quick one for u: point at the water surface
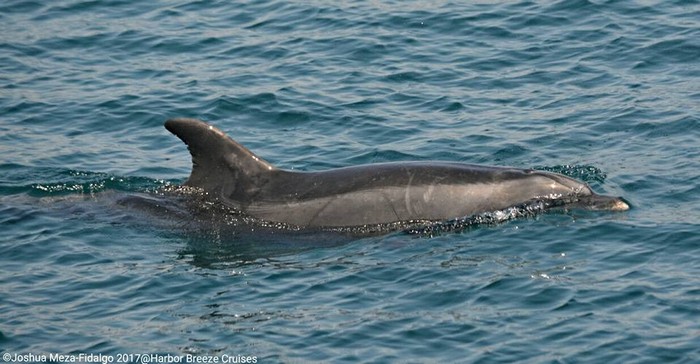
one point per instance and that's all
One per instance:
(606, 92)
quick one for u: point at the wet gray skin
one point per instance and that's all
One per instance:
(366, 194)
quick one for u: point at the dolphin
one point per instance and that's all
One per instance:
(371, 194)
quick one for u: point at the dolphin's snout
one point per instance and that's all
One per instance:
(619, 205)
(601, 202)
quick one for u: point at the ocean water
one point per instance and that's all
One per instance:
(604, 91)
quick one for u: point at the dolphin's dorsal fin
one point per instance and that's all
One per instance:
(219, 164)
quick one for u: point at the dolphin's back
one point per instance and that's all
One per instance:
(395, 192)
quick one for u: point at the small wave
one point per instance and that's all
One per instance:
(586, 173)
(526, 210)
(46, 182)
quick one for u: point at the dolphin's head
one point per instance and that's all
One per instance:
(567, 183)
(581, 194)
(549, 185)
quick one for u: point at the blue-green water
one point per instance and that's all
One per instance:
(605, 91)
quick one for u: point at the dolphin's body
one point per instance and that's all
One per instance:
(366, 194)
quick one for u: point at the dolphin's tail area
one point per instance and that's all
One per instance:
(220, 166)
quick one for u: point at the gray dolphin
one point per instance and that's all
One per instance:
(366, 194)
